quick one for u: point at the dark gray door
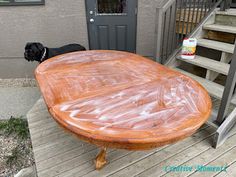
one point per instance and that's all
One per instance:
(112, 24)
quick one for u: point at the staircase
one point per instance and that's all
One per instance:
(213, 67)
(215, 30)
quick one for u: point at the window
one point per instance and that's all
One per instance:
(111, 6)
(21, 2)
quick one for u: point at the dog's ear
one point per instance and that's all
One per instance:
(28, 44)
(39, 46)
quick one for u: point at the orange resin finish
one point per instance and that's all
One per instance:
(121, 100)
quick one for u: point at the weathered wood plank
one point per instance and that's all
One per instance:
(221, 28)
(214, 89)
(220, 36)
(191, 152)
(41, 141)
(204, 158)
(229, 20)
(208, 63)
(216, 45)
(44, 133)
(89, 166)
(65, 156)
(57, 148)
(43, 128)
(41, 114)
(70, 164)
(139, 161)
(42, 122)
(122, 162)
(226, 159)
(230, 172)
(58, 153)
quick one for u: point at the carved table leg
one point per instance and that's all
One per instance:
(100, 160)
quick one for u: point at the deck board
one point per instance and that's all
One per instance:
(149, 166)
(231, 171)
(58, 153)
(226, 159)
(147, 160)
(205, 157)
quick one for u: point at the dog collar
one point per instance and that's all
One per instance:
(44, 54)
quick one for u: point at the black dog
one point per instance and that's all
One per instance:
(37, 52)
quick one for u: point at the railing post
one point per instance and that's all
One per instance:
(222, 6)
(225, 5)
(229, 3)
(159, 27)
(228, 91)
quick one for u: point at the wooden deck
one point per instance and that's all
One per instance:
(60, 154)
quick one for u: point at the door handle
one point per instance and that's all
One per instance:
(91, 20)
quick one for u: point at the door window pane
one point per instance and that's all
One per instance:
(4, 1)
(111, 6)
(21, 2)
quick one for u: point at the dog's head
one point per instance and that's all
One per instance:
(34, 51)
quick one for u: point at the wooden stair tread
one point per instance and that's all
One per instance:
(221, 46)
(214, 89)
(229, 12)
(233, 100)
(222, 28)
(207, 63)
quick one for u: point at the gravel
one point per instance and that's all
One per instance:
(18, 82)
(22, 94)
(24, 158)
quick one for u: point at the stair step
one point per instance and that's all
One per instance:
(233, 100)
(229, 12)
(214, 89)
(222, 28)
(221, 46)
(207, 63)
(226, 18)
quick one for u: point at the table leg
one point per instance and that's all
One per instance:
(100, 160)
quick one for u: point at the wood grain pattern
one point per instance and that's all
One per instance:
(121, 100)
(220, 36)
(100, 160)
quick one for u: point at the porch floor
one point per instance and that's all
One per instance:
(58, 153)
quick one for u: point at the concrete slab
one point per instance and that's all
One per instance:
(17, 101)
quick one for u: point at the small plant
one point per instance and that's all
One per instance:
(15, 158)
(17, 126)
(19, 154)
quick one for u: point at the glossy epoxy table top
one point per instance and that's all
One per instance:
(121, 100)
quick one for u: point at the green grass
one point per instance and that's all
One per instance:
(18, 128)
(15, 126)
(16, 157)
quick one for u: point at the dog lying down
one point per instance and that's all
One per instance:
(35, 51)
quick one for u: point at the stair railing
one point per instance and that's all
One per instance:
(178, 19)
(225, 5)
(226, 121)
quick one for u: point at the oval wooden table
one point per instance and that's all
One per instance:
(121, 100)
